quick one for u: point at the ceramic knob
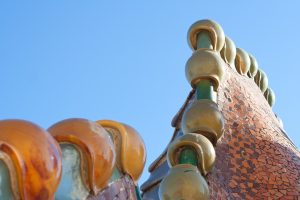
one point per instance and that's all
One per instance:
(205, 64)
(130, 147)
(95, 146)
(261, 80)
(270, 96)
(214, 29)
(203, 117)
(183, 182)
(202, 147)
(228, 52)
(253, 67)
(32, 158)
(242, 61)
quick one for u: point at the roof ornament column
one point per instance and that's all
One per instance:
(192, 156)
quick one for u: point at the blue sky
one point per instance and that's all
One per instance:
(124, 60)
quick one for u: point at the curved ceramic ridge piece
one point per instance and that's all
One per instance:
(33, 158)
(242, 61)
(228, 52)
(205, 64)
(261, 80)
(201, 145)
(183, 181)
(253, 67)
(279, 121)
(132, 152)
(203, 117)
(95, 146)
(270, 96)
(213, 28)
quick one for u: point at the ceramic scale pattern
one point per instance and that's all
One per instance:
(255, 160)
(122, 189)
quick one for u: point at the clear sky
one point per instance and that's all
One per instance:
(124, 60)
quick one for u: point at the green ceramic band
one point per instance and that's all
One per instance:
(204, 41)
(188, 156)
(205, 90)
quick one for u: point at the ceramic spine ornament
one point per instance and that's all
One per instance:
(193, 154)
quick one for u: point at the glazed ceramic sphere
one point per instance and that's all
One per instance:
(33, 159)
(242, 61)
(215, 31)
(95, 146)
(201, 145)
(204, 117)
(253, 67)
(130, 146)
(228, 52)
(205, 64)
(270, 96)
(183, 182)
(264, 81)
(261, 80)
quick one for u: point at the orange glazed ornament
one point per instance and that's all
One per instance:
(33, 159)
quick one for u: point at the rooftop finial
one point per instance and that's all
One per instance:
(214, 30)
(228, 52)
(242, 61)
(253, 67)
(270, 96)
(202, 122)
